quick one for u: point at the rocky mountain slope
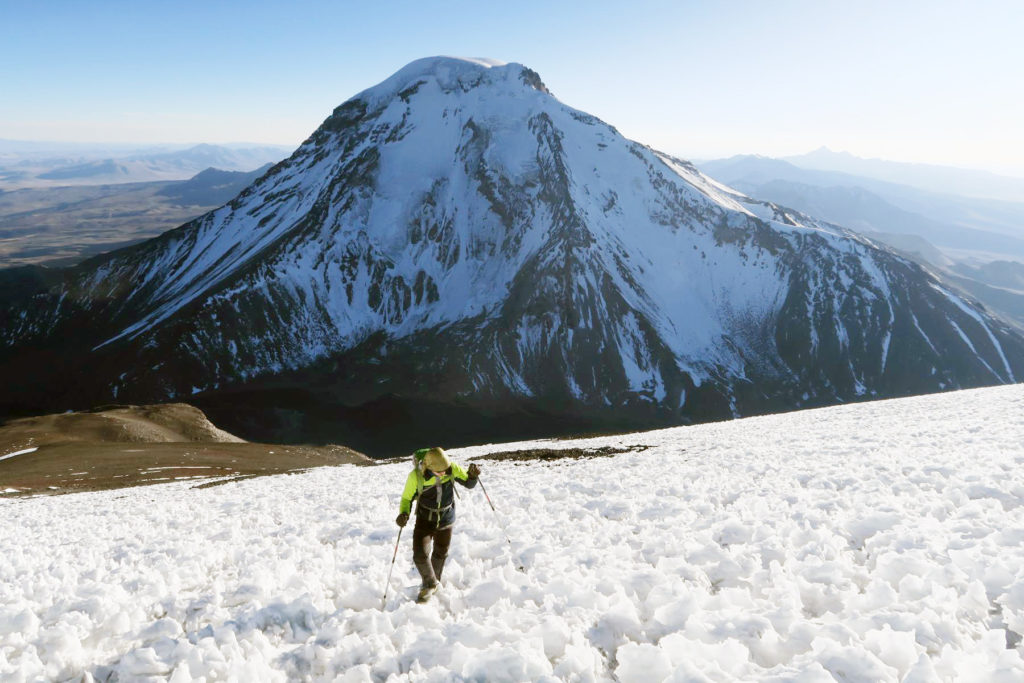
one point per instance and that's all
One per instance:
(456, 239)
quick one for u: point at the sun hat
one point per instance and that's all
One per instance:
(436, 460)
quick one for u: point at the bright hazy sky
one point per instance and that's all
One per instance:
(938, 81)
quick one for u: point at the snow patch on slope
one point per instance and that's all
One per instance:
(959, 303)
(21, 452)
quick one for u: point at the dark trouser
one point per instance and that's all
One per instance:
(423, 536)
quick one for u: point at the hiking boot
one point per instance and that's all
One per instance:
(426, 591)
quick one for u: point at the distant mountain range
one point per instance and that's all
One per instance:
(956, 223)
(974, 242)
(27, 165)
(64, 225)
(211, 187)
(455, 252)
(930, 177)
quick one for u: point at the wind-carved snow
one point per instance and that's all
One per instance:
(887, 338)
(718, 192)
(641, 374)
(959, 303)
(878, 282)
(924, 336)
(879, 541)
(967, 340)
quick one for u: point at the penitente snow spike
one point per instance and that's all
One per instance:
(384, 600)
(520, 566)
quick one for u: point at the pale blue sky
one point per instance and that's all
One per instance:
(938, 82)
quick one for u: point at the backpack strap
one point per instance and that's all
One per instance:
(417, 467)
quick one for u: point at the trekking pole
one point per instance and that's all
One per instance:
(503, 530)
(384, 600)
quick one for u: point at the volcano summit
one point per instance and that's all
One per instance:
(456, 249)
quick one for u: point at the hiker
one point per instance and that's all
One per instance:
(432, 481)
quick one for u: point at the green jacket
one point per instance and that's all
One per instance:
(437, 501)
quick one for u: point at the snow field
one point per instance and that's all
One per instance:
(875, 542)
(22, 452)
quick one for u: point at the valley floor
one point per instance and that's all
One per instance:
(873, 542)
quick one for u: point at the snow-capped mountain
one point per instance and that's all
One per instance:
(457, 235)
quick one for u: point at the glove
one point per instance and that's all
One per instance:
(402, 519)
(473, 471)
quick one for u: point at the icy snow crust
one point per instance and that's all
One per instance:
(873, 542)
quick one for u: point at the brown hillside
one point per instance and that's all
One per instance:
(118, 446)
